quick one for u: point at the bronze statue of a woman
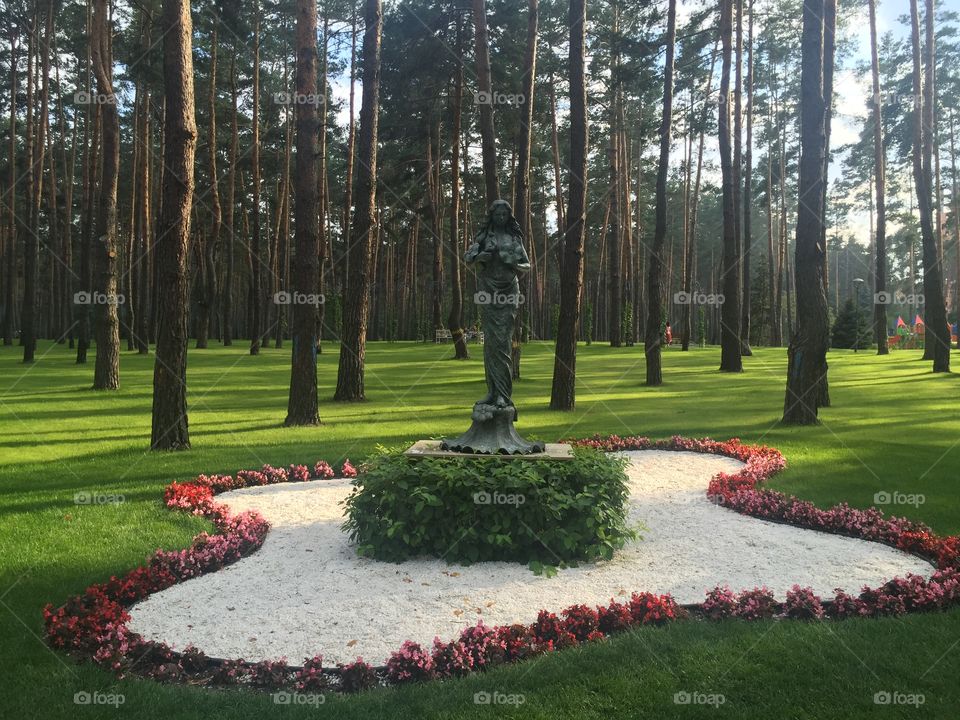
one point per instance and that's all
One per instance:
(499, 254)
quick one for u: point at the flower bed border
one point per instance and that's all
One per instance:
(93, 625)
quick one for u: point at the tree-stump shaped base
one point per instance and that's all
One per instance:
(493, 433)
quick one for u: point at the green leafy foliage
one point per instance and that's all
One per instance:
(545, 513)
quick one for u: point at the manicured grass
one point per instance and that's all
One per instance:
(894, 427)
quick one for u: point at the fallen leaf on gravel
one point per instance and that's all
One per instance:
(407, 580)
(491, 603)
(458, 613)
(351, 643)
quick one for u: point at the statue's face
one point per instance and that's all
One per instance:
(500, 216)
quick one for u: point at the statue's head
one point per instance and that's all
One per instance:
(500, 213)
(500, 216)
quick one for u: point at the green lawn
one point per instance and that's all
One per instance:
(894, 426)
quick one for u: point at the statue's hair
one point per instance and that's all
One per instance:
(513, 225)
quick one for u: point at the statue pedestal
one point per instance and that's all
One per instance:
(432, 449)
(492, 433)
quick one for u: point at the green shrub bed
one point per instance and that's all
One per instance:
(541, 512)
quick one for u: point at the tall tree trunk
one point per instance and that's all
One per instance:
(686, 328)
(563, 391)
(211, 248)
(455, 318)
(807, 365)
(432, 134)
(229, 226)
(936, 328)
(280, 280)
(730, 359)
(142, 229)
(879, 174)
(173, 231)
(654, 337)
(614, 285)
(106, 373)
(91, 130)
(522, 179)
(129, 322)
(158, 212)
(829, 49)
(772, 259)
(737, 165)
(11, 254)
(34, 182)
(65, 299)
(355, 309)
(256, 252)
(747, 234)
(302, 405)
(630, 280)
(485, 101)
(324, 252)
(351, 147)
(783, 278)
(955, 197)
(54, 319)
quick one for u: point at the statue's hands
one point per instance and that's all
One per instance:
(510, 253)
(484, 257)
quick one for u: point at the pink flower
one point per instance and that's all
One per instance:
(357, 676)
(720, 603)
(755, 604)
(803, 604)
(323, 470)
(298, 473)
(411, 663)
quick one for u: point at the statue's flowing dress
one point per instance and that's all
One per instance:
(499, 293)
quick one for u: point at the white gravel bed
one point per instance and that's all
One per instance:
(306, 592)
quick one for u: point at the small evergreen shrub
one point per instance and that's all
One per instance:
(540, 512)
